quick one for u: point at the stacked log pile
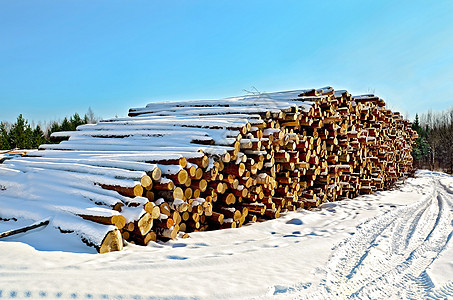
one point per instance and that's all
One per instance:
(180, 167)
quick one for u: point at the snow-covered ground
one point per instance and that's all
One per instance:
(391, 245)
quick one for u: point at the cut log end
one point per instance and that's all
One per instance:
(182, 177)
(119, 221)
(183, 162)
(178, 193)
(156, 174)
(146, 182)
(113, 241)
(138, 190)
(145, 223)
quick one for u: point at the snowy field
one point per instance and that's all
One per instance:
(391, 245)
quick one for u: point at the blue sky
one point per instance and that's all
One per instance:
(61, 57)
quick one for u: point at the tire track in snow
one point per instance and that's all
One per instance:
(444, 292)
(407, 229)
(389, 255)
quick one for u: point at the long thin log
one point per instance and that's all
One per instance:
(24, 229)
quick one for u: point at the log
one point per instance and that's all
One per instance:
(24, 229)
(152, 209)
(118, 220)
(135, 191)
(113, 241)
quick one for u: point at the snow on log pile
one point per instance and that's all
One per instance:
(179, 167)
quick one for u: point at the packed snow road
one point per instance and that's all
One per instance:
(391, 245)
(389, 255)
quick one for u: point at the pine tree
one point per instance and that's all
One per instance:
(28, 138)
(54, 127)
(65, 125)
(38, 137)
(422, 149)
(75, 121)
(416, 124)
(4, 144)
(16, 135)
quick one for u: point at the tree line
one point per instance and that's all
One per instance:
(23, 135)
(434, 149)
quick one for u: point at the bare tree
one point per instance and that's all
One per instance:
(437, 129)
(90, 117)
